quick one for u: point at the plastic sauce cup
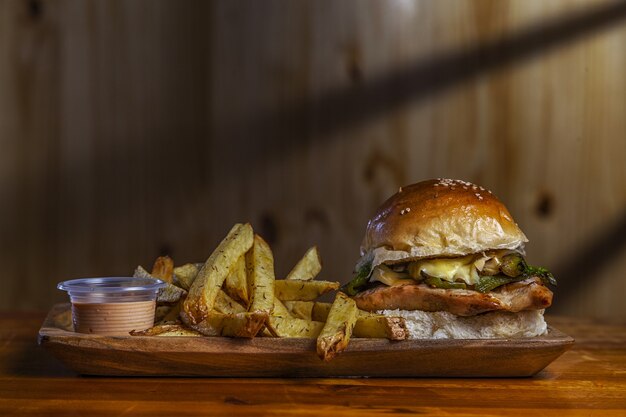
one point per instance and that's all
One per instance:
(112, 306)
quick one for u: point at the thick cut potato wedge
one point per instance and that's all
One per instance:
(201, 299)
(185, 274)
(236, 284)
(292, 327)
(167, 330)
(163, 269)
(172, 315)
(337, 331)
(315, 310)
(225, 304)
(377, 326)
(280, 310)
(295, 290)
(320, 311)
(171, 294)
(308, 267)
(367, 324)
(309, 310)
(301, 309)
(246, 325)
(260, 268)
(160, 313)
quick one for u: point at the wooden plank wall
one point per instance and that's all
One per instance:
(134, 128)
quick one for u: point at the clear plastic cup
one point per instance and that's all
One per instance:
(112, 306)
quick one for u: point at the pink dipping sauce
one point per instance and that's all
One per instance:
(112, 306)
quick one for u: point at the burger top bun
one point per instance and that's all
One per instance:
(440, 217)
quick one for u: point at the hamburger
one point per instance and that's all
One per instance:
(448, 257)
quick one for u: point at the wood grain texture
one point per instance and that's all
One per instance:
(131, 129)
(272, 357)
(587, 380)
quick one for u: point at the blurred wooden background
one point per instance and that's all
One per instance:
(129, 129)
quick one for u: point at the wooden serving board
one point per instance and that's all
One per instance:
(271, 357)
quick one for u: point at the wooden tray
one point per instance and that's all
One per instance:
(269, 357)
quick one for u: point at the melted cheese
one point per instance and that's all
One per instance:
(384, 274)
(448, 269)
(463, 269)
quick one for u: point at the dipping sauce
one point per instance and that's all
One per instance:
(113, 319)
(112, 306)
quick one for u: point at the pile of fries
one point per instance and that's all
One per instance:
(235, 293)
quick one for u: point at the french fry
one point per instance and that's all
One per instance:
(367, 324)
(268, 330)
(308, 267)
(206, 285)
(280, 310)
(172, 316)
(185, 274)
(168, 314)
(171, 294)
(215, 323)
(381, 327)
(180, 331)
(294, 290)
(336, 333)
(167, 330)
(317, 310)
(310, 310)
(300, 309)
(163, 269)
(292, 327)
(320, 311)
(160, 313)
(235, 294)
(225, 304)
(260, 268)
(236, 284)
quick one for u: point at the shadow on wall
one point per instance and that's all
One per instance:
(337, 110)
(322, 116)
(330, 113)
(589, 259)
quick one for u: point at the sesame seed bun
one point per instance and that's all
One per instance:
(440, 217)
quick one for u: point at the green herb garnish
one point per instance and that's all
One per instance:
(514, 268)
(515, 265)
(359, 280)
(439, 283)
(490, 282)
(538, 271)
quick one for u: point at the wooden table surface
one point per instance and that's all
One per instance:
(589, 380)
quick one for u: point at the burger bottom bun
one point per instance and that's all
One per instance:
(496, 324)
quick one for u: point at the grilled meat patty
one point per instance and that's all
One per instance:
(529, 294)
